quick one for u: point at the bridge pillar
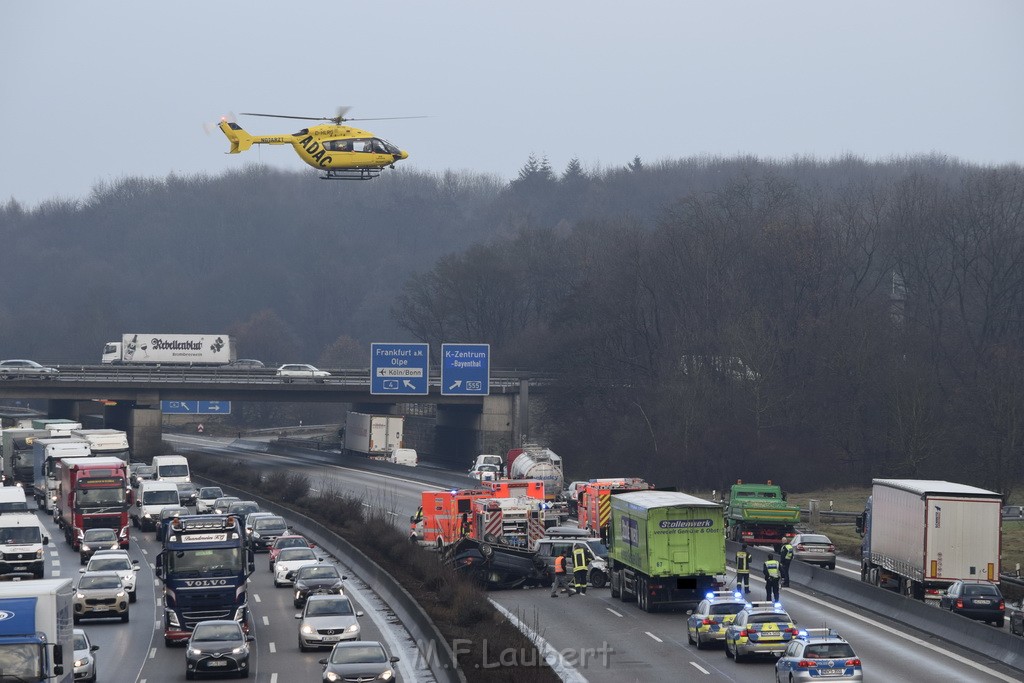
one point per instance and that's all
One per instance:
(142, 424)
(63, 408)
(463, 432)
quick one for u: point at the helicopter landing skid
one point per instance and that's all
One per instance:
(351, 174)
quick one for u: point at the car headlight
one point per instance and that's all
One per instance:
(255, 534)
(85, 548)
(81, 662)
(387, 675)
(239, 650)
(240, 614)
(194, 652)
(80, 596)
(39, 554)
(172, 618)
(353, 628)
(306, 628)
(331, 676)
(298, 594)
(120, 594)
(146, 515)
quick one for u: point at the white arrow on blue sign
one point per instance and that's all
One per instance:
(195, 407)
(465, 369)
(399, 369)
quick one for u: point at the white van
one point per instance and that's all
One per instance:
(172, 468)
(151, 498)
(22, 538)
(403, 456)
(12, 499)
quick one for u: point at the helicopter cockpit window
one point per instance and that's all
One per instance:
(304, 131)
(338, 145)
(389, 148)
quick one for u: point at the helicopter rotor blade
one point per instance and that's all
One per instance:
(281, 116)
(387, 118)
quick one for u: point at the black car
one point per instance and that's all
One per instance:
(187, 493)
(97, 539)
(219, 647)
(264, 531)
(978, 600)
(317, 579)
(166, 515)
(242, 508)
(359, 660)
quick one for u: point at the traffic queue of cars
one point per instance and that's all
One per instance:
(327, 618)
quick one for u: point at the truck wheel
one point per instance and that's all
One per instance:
(642, 598)
(486, 550)
(614, 587)
(598, 579)
(832, 565)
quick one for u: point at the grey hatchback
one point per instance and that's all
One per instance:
(218, 646)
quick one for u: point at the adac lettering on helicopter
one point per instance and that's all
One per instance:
(315, 151)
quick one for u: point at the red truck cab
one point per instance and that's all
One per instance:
(93, 495)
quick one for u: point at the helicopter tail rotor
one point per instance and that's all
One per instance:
(209, 127)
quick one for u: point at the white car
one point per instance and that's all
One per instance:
(25, 368)
(116, 561)
(288, 561)
(485, 473)
(85, 659)
(208, 495)
(300, 370)
(326, 620)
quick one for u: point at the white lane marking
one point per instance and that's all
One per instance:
(848, 571)
(157, 624)
(654, 637)
(266, 620)
(618, 614)
(54, 553)
(916, 641)
(273, 649)
(144, 551)
(273, 678)
(700, 668)
(256, 598)
(159, 601)
(156, 582)
(55, 573)
(152, 653)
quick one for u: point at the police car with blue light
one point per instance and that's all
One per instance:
(760, 628)
(817, 654)
(707, 623)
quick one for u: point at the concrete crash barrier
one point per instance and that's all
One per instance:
(973, 635)
(443, 663)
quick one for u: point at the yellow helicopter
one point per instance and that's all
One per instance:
(341, 152)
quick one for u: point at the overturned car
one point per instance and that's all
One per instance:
(497, 566)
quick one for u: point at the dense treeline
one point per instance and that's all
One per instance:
(812, 322)
(808, 323)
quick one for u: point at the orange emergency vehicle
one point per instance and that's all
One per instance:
(595, 503)
(510, 521)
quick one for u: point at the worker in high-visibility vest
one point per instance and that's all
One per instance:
(787, 559)
(414, 521)
(580, 569)
(464, 527)
(561, 580)
(743, 568)
(772, 576)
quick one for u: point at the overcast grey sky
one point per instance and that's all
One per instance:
(95, 91)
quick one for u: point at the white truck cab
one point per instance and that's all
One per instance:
(151, 497)
(12, 499)
(172, 468)
(22, 544)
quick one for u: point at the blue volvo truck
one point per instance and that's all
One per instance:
(204, 566)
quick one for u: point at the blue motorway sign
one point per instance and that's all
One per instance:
(465, 369)
(195, 407)
(399, 369)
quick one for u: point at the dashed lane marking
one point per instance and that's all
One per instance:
(266, 620)
(256, 597)
(700, 668)
(654, 637)
(618, 614)
(273, 648)
(152, 653)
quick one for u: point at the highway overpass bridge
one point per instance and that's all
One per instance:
(132, 394)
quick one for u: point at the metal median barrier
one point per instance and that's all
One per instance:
(972, 635)
(441, 659)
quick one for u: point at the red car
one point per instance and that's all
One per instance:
(289, 541)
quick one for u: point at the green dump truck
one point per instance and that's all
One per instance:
(758, 514)
(666, 549)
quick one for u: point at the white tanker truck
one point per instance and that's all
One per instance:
(538, 462)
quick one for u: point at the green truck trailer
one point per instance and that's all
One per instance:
(666, 549)
(758, 514)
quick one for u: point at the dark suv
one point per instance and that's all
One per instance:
(979, 600)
